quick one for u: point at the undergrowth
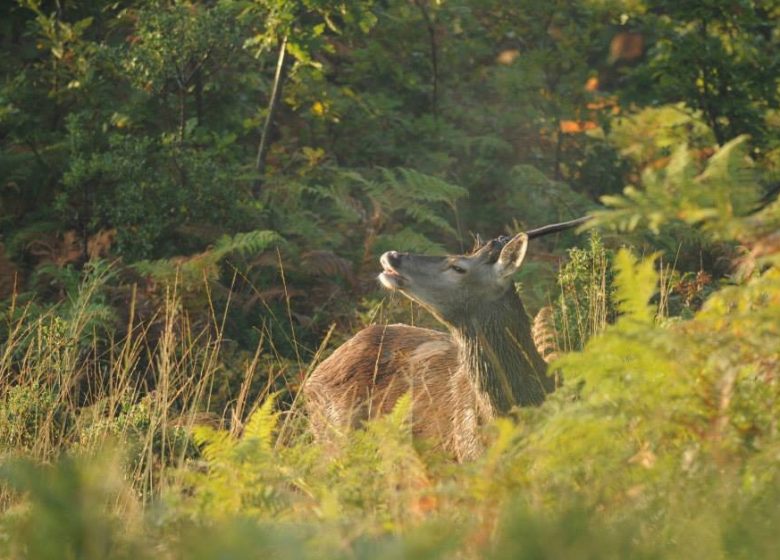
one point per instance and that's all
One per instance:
(664, 441)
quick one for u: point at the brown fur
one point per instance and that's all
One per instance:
(543, 333)
(365, 377)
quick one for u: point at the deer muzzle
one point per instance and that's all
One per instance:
(390, 278)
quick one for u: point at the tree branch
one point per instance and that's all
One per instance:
(273, 103)
(434, 55)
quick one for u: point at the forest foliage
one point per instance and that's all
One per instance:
(193, 199)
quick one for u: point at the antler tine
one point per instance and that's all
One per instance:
(554, 228)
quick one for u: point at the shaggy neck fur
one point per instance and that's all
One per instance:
(499, 355)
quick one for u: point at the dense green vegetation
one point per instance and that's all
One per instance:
(193, 198)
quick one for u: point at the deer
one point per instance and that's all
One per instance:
(482, 367)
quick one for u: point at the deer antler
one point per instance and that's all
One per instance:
(554, 228)
(498, 243)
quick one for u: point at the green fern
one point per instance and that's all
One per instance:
(397, 424)
(263, 423)
(245, 243)
(215, 445)
(190, 272)
(717, 199)
(344, 208)
(414, 195)
(636, 282)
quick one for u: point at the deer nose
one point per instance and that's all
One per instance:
(393, 258)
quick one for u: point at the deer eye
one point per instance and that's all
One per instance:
(457, 269)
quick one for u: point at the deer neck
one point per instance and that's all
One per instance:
(499, 356)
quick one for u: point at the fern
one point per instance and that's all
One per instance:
(262, 425)
(396, 425)
(412, 195)
(215, 445)
(244, 243)
(419, 186)
(190, 271)
(345, 208)
(242, 473)
(716, 199)
(635, 284)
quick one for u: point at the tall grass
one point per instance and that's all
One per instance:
(127, 447)
(67, 385)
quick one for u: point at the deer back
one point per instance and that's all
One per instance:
(365, 377)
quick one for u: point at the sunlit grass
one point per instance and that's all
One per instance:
(122, 447)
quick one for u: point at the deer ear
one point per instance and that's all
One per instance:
(512, 255)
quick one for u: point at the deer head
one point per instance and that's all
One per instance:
(455, 287)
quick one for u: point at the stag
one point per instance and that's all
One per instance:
(459, 380)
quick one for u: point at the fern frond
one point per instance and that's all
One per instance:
(420, 186)
(635, 284)
(216, 445)
(245, 243)
(717, 199)
(423, 215)
(190, 271)
(400, 416)
(261, 426)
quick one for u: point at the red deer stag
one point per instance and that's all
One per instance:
(460, 380)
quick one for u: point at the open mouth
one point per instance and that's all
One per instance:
(390, 278)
